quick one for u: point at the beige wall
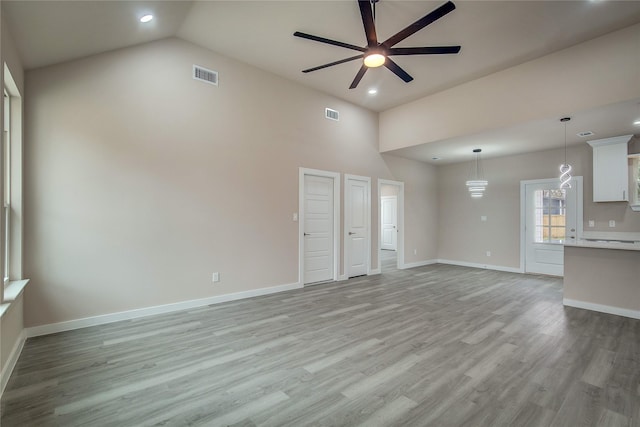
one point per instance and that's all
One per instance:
(607, 70)
(464, 237)
(11, 327)
(420, 207)
(142, 181)
(12, 321)
(614, 285)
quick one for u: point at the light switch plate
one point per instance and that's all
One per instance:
(612, 223)
(295, 216)
(483, 218)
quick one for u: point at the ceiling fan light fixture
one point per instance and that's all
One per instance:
(377, 53)
(374, 60)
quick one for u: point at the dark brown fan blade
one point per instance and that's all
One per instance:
(328, 41)
(359, 76)
(438, 50)
(367, 21)
(420, 24)
(395, 68)
(331, 64)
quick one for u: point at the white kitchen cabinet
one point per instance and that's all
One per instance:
(610, 169)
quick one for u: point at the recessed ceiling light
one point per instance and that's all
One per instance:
(585, 134)
(435, 158)
(637, 122)
(373, 91)
(146, 18)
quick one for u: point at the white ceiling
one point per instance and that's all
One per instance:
(604, 122)
(494, 35)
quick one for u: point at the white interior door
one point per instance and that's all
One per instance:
(357, 225)
(318, 229)
(551, 218)
(389, 231)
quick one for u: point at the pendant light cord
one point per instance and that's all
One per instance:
(565, 143)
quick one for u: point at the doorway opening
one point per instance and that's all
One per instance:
(390, 225)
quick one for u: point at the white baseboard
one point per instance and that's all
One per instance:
(625, 312)
(11, 361)
(375, 271)
(483, 266)
(150, 311)
(418, 264)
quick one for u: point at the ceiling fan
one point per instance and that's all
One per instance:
(376, 54)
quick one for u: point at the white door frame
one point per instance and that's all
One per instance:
(523, 207)
(336, 219)
(400, 213)
(347, 221)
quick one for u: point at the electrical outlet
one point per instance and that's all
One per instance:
(483, 218)
(488, 253)
(295, 216)
(592, 223)
(415, 252)
(216, 277)
(612, 223)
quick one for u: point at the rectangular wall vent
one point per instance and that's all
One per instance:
(205, 75)
(331, 114)
(585, 134)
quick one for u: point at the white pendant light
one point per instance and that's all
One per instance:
(476, 183)
(565, 168)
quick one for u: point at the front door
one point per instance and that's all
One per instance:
(551, 218)
(357, 217)
(389, 231)
(318, 229)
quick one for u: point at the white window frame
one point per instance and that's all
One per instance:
(12, 212)
(540, 215)
(6, 198)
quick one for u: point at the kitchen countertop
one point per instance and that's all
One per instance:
(604, 244)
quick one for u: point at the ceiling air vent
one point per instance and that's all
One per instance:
(331, 114)
(585, 134)
(205, 75)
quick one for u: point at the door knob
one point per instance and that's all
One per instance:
(573, 229)
(351, 233)
(306, 234)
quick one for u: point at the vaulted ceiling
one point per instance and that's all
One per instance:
(494, 35)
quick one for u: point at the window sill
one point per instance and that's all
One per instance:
(11, 293)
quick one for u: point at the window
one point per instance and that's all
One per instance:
(550, 216)
(11, 165)
(6, 146)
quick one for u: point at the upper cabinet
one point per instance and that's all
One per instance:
(610, 169)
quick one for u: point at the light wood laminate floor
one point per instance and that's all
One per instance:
(432, 346)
